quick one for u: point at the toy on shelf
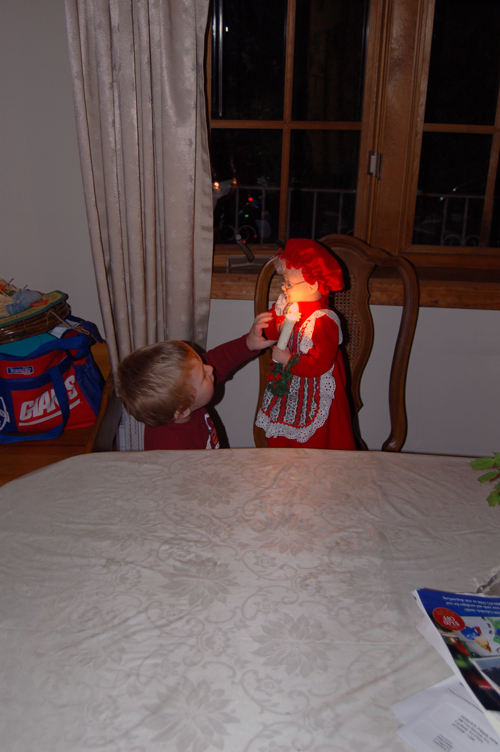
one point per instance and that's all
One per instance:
(24, 313)
(13, 300)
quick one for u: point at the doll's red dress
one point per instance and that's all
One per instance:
(315, 412)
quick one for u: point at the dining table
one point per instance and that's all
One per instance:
(244, 600)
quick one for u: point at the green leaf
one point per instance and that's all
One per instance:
(482, 463)
(488, 476)
(496, 455)
(494, 498)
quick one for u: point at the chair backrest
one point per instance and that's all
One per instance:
(104, 430)
(103, 433)
(358, 260)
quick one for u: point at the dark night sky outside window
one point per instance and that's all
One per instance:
(462, 92)
(252, 65)
(300, 174)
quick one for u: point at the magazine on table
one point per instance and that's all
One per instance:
(445, 717)
(469, 639)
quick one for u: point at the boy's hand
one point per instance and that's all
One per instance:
(281, 356)
(255, 340)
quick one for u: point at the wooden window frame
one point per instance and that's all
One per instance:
(397, 63)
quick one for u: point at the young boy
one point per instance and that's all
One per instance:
(167, 385)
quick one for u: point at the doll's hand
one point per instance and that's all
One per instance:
(297, 316)
(281, 356)
(255, 338)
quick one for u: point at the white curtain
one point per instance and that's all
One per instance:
(137, 68)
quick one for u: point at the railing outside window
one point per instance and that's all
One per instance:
(441, 219)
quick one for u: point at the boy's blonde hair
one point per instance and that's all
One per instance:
(154, 382)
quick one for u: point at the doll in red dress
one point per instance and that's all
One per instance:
(305, 402)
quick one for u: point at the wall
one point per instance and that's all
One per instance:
(44, 244)
(452, 386)
(44, 239)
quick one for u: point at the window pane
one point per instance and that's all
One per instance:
(451, 188)
(494, 241)
(329, 59)
(323, 173)
(248, 59)
(465, 59)
(246, 168)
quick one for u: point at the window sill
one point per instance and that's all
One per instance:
(440, 287)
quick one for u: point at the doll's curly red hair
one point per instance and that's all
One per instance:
(315, 263)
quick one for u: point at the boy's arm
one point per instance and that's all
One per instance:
(225, 358)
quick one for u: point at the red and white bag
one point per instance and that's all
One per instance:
(56, 386)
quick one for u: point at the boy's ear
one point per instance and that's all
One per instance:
(178, 415)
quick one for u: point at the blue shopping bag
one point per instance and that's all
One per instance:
(54, 387)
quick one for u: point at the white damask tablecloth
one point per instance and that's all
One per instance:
(240, 600)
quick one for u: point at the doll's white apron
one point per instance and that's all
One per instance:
(306, 407)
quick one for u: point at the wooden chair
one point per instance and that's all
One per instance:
(103, 434)
(358, 260)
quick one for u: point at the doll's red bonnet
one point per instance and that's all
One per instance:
(315, 262)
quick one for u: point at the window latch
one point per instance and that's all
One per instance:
(375, 164)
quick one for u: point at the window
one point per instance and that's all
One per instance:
(286, 105)
(457, 195)
(376, 119)
(438, 133)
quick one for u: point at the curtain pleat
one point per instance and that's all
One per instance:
(137, 69)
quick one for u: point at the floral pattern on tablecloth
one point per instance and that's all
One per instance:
(240, 600)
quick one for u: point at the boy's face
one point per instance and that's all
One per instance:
(202, 382)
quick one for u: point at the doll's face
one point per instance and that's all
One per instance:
(296, 289)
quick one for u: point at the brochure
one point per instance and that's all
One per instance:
(469, 630)
(445, 717)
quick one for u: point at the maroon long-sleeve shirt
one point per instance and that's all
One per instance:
(199, 431)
